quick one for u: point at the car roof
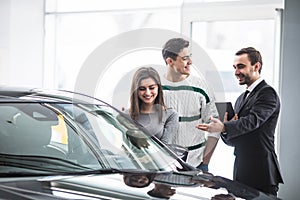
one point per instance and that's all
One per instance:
(15, 91)
(23, 94)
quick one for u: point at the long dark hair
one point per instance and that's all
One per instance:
(135, 103)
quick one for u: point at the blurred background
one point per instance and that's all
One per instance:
(46, 43)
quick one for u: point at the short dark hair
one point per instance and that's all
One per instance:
(253, 55)
(173, 47)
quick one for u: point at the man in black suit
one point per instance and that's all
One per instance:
(251, 131)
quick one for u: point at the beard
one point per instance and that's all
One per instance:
(243, 79)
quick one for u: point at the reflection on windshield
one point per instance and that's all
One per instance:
(92, 136)
(127, 143)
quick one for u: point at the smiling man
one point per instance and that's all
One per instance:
(252, 129)
(191, 97)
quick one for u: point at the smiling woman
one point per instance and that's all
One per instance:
(147, 105)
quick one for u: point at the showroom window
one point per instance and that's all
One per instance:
(221, 29)
(75, 28)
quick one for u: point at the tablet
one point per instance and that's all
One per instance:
(223, 107)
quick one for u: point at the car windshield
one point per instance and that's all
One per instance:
(50, 137)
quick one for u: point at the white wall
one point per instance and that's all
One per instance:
(21, 42)
(290, 95)
(4, 40)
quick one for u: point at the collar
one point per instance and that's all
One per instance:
(254, 84)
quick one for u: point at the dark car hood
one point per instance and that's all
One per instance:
(79, 187)
(104, 186)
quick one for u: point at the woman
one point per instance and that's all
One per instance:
(147, 105)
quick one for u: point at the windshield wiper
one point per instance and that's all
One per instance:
(77, 173)
(41, 163)
(58, 173)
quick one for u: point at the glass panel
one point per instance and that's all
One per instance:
(221, 40)
(76, 35)
(93, 5)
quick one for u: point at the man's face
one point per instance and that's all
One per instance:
(244, 71)
(182, 63)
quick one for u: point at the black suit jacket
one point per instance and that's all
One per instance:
(252, 135)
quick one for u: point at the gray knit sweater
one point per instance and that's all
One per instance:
(165, 130)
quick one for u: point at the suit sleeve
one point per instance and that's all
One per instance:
(257, 111)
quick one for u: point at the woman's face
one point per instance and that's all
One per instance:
(148, 91)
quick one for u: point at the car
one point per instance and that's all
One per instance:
(57, 144)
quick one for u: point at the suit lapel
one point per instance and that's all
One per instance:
(242, 103)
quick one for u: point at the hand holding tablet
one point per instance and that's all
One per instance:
(223, 107)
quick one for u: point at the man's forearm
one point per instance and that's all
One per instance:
(209, 149)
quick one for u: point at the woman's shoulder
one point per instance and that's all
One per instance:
(171, 114)
(170, 111)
